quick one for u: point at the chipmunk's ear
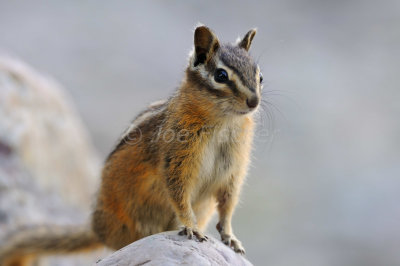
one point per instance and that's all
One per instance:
(245, 43)
(205, 45)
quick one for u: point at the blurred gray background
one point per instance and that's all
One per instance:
(324, 186)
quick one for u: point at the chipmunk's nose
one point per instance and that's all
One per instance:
(252, 102)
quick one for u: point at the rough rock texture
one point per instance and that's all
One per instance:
(48, 168)
(171, 249)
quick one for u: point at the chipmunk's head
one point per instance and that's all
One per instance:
(225, 73)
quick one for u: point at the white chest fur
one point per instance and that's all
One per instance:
(219, 156)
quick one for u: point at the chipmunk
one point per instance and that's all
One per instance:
(179, 161)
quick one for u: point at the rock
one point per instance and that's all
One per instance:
(41, 126)
(48, 168)
(169, 248)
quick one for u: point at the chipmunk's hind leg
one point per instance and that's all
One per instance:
(111, 231)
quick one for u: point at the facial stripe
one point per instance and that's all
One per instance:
(232, 86)
(196, 78)
(235, 84)
(248, 82)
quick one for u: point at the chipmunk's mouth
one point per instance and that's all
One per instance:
(242, 112)
(245, 111)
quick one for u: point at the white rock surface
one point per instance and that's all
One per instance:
(48, 167)
(169, 249)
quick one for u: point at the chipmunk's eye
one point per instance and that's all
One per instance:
(261, 77)
(221, 75)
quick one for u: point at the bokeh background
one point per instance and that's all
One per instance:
(324, 186)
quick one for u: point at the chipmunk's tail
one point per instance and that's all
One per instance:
(24, 245)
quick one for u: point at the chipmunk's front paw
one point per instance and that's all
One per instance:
(190, 232)
(231, 241)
